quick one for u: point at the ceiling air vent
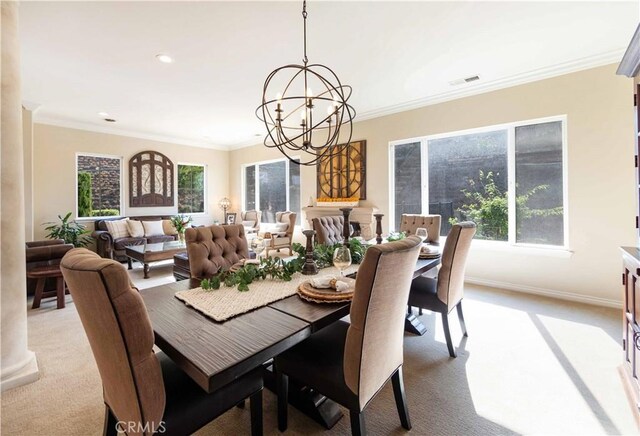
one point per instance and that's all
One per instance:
(463, 81)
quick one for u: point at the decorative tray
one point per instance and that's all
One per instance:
(309, 293)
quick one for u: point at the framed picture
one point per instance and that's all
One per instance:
(231, 218)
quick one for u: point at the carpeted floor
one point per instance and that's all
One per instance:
(531, 365)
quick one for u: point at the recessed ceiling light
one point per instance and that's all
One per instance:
(103, 114)
(164, 58)
(258, 134)
(110, 120)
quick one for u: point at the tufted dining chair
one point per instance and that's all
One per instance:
(216, 247)
(445, 293)
(329, 229)
(144, 393)
(350, 363)
(409, 224)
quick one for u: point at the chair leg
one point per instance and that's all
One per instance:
(401, 400)
(110, 422)
(447, 333)
(420, 311)
(39, 290)
(255, 402)
(357, 423)
(282, 390)
(60, 292)
(461, 318)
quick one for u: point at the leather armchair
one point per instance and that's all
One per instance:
(252, 216)
(216, 247)
(409, 224)
(283, 239)
(329, 229)
(44, 253)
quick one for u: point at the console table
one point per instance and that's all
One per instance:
(363, 215)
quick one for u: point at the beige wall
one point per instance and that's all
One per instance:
(601, 209)
(54, 166)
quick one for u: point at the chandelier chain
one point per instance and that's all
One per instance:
(304, 17)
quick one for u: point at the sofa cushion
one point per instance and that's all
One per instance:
(136, 229)
(153, 228)
(160, 238)
(168, 228)
(121, 243)
(118, 228)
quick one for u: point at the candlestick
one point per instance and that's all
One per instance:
(309, 268)
(378, 217)
(346, 228)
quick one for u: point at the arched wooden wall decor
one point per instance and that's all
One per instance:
(150, 180)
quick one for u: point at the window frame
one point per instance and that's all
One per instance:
(121, 193)
(243, 167)
(511, 177)
(204, 192)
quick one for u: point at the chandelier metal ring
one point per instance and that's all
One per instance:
(312, 138)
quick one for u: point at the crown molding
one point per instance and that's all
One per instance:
(494, 85)
(51, 121)
(630, 64)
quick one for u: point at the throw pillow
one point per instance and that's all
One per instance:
(153, 228)
(169, 228)
(248, 223)
(118, 228)
(280, 227)
(136, 229)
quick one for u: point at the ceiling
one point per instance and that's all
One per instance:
(81, 58)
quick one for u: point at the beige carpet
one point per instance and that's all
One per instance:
(530, 366)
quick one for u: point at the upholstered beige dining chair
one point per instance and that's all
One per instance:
(446, 292)
(282, 235)
(329, 229)
(215, 247)
(251, 220)
(350, 363)
(409, 224)
(144, 392)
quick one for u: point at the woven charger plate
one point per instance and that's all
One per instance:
(309, 293)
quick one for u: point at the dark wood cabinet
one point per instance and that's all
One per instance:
(631, 322)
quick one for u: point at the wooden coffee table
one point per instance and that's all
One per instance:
(153, 252)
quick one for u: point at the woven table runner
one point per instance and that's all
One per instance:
(227, 302)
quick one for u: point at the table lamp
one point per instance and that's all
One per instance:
(224, 205)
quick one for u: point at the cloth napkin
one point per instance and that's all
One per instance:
(329, 283)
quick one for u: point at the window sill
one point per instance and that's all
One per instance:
(96, 218)
(528, 250)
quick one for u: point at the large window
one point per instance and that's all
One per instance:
(507, 179)
(191, 183)
(99, 185)
(272, 187)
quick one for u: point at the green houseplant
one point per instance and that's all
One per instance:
(71, 231)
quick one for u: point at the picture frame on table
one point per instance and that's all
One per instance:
(231, 218)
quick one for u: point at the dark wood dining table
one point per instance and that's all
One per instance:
(215, 353)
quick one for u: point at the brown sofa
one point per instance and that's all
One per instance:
(213, 248)
(111, 248)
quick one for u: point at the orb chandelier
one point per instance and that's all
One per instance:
(306, 126)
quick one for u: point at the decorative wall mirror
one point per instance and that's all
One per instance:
(150, 180)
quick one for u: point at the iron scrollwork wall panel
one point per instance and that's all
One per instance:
(344, 174)
(150, 180)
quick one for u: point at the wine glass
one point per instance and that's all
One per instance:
(421, 233)
(342, 258)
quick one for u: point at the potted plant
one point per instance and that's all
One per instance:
(71, 231)
(181, 222)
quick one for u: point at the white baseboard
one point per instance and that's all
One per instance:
(597, 301)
